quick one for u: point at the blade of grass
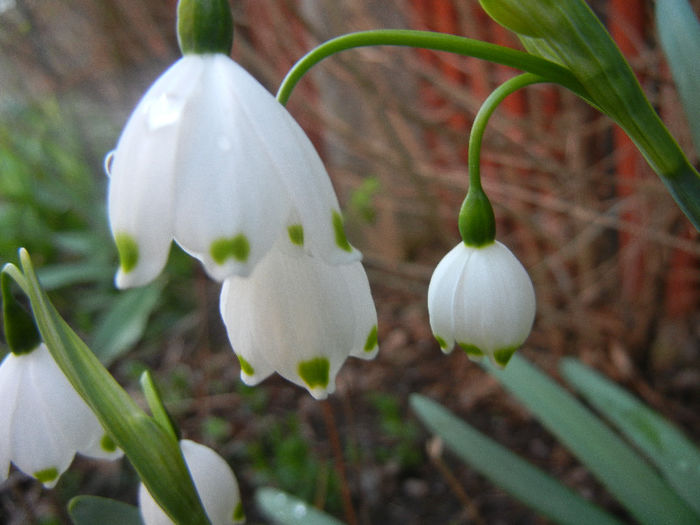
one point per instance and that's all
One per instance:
(635, 484)
(284, 509)
(664, 444)
(529, 484)
(679, 32)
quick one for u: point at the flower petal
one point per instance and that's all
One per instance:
(10, 377)
(442, 292)
(215, 483)
(141, 183)
(495, 306)
(301, 319)
(231, 204)
(237, 296)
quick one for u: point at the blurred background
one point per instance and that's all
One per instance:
(613, 260)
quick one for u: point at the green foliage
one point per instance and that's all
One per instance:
(89, 510)
(504, 468)
(637, 485)
(361, 202)
(284, 509)
(679, 32)
(283, 457)
(401, 434)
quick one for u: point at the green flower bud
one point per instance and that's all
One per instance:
(477, 224)
(204, 26)
(21, 333)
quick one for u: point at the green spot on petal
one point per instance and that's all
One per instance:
(46, 475)
(236, 247)
(107, 444)
(315, 372)
(238, 513)
(471, 350)
(128, 251)
(296, 234)
(246, 367)
(340, 239)
(441, 341)
(371, 341)
(503, 355)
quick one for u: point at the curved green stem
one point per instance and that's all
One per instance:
(477, 223)
(482, 118)
(549, 71)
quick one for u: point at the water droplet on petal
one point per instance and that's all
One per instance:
(164, 111)
(109, 160)
(224, 143)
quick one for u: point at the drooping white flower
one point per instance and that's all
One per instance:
(44, 420)
(482, 299)
(215, 483)
(211, 159)
(300, 317)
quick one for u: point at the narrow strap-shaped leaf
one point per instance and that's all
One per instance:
(679, 32)
(154, 453)
(89, 510)
(529, 484)
(285, 509)
(568, 33)
(664, 444)
(636, 485)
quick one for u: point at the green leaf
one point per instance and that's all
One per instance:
(153, 452)
(284, 509)
(664, 444)
(63, 275)
(507, 470)
(679, 32)
(568, 33)
(635, 484)
(124, 322)
(89, 510)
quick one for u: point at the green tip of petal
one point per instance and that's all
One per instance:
(239, 513)
(315, 373)
(296, 234)
(471, 350)
(128, 251)
(340, 239)
(107, 444)
(237, 248)
(246, 366)
(502, 356)
(371, 342)
(46, 475)
(440, 341)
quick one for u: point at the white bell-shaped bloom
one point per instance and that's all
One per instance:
(482, 299)
(44, 420)
(215, 483)
(300, 317)
(211, 159)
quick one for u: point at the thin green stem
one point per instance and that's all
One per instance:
(482, 118)
(548, 71)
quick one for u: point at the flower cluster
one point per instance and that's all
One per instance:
(211, 159)
(44, 420)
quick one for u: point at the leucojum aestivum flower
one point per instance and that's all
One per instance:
(210, 159)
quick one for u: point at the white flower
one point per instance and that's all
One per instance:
(300, 317)
(215, 483)
(44, 420)
(211, 159)
(482, 299)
